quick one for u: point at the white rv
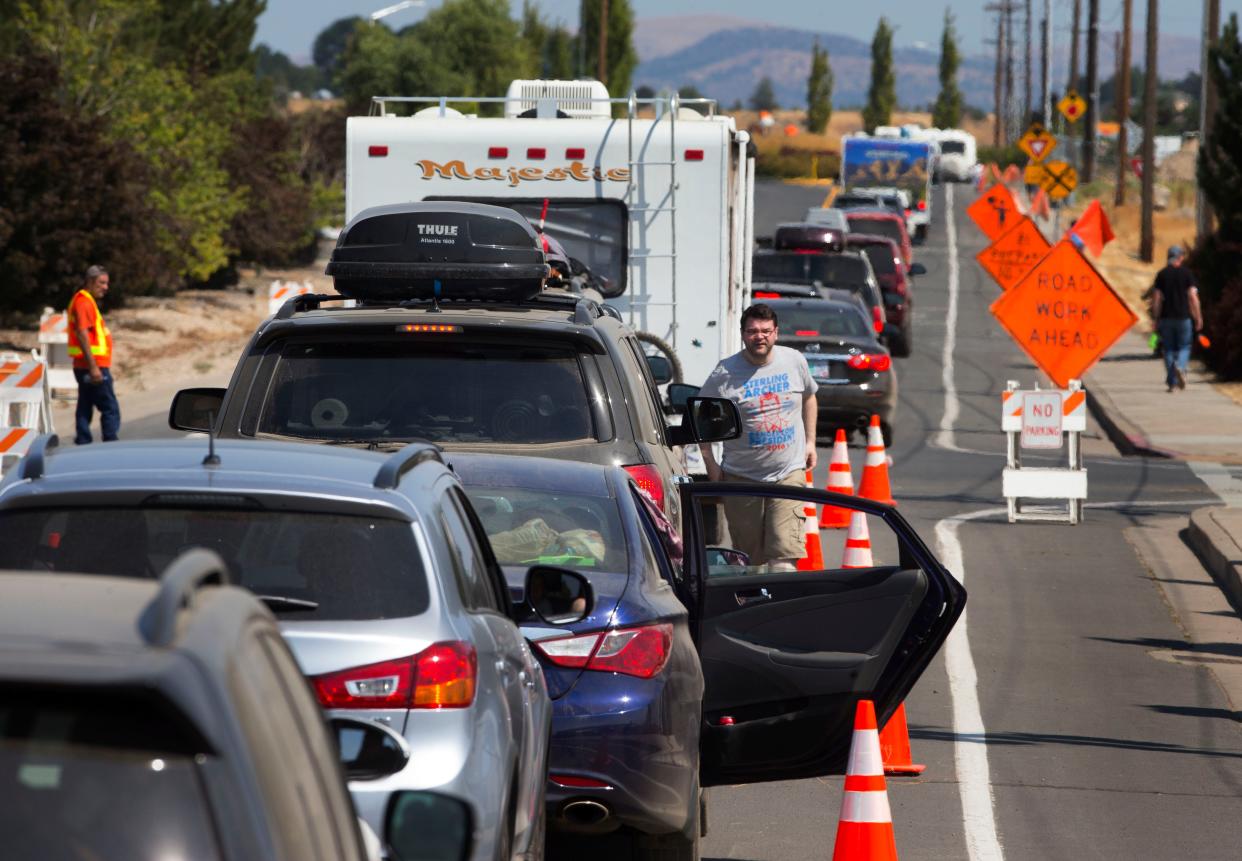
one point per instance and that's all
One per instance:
(958, 155)
(656, 203)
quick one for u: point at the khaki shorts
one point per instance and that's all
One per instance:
(765, 528)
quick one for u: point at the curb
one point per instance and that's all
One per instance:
(1219, 552)
(1127, 438)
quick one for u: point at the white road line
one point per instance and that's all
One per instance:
(945, 439)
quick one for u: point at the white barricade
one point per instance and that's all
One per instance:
(281, 292)
(54, 348)
(25, 399)
(1040, 421)
(14, 442)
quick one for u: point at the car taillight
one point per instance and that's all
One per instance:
(442, 676)
(764, 294)
(922, 204)
(870, 361)
(877, 319)
(640, 652)
(909, 212)
(647, 477)
(806, 333)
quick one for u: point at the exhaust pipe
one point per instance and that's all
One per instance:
(586, 816)
(862, 422)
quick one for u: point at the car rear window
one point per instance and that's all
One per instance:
(537, 527)
(887, 227)
(881, 257)
(91, 774)
(822, 318)
(828, 269)
(346, 567)
(443, 389)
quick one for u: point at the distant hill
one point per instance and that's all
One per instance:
(725, 57)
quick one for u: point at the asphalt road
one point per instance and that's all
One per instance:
(1054, 725)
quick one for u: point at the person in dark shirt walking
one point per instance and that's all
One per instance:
(1175, 308)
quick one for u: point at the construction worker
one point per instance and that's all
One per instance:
(90, 346)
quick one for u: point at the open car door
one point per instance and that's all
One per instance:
(788, 644)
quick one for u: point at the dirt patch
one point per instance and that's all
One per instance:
(1230, 390)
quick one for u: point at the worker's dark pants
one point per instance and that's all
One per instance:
(96, 396)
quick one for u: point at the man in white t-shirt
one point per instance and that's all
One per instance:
(774, 391)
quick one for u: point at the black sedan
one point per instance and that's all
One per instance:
(854, 371)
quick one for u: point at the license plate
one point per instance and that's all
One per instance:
(824, 369)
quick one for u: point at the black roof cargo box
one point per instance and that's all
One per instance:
(808, 237)
(444, 250)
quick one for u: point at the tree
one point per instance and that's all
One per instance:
(763, 97)
(535, 33)
(558, 55)
(330, 45)
(882, 93)
(620, 54)
(819, 91)
(283, 74)
(947, 111)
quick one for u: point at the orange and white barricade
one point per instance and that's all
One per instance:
(1044, 419)
(54, 350)
(282, 291)
(14, 442)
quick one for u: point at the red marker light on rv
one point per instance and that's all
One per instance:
(694, 155)
(575, 152)
(536, 152)
(377, 151)
(497, 152)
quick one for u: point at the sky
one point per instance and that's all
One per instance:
(291, 25)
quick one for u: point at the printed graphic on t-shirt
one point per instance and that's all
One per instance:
(771, 429)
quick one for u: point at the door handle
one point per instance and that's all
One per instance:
(752, 596)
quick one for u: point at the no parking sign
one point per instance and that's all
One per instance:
(1041, 420)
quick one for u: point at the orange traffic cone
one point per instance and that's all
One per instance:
(814, 558)
(857, 543)
(874, 484)
(865, 830)
(895, 745)
(839, 481)
(1012, 174)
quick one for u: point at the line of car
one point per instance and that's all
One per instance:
(462, 505)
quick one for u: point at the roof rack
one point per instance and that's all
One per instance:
(585, 310)
(188, 573)
(306, 302)
(35, 462)
(402, 461)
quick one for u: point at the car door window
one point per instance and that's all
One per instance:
(473, 578)
(785, 605)
(650, 405)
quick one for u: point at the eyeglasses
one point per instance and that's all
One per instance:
(755, 333)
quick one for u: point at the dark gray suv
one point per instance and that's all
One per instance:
(460, 347)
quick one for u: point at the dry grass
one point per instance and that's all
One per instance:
(841, 123)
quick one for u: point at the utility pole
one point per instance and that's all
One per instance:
(1122, 99)
(1027, 104)
(1148, 240)
(1047, 56)
(1073, 75)
(998, 128)
(602, 71)
(1009, 40)
(1093, 90)
(1207, 108)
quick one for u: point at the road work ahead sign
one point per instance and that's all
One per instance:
(1063, 314)
(1010, 257)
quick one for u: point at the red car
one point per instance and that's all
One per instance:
(878, 222)
(896, 285)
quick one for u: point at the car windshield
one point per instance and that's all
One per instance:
(326, 566)
(93, 774)
(887, 227)
(592, 232)
(828, 269)
(442, 389)
(811, 319)
(531, 527)
(845, 201)
(881, 257)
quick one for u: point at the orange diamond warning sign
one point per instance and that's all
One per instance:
(1072, 106)
(995, 211)
(1037, 142)
(1014, 254)
(1063, 314)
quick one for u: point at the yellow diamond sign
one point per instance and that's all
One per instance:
(1037, 142)
(1072, 106)
(1059, 179)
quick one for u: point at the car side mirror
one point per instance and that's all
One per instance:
(369, 750)
(427, 826)
(192, 409)
(661, 369)
(680, 393)
(706, 420)
(918, 269)
(558, 596)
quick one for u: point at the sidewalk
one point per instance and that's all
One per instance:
(1126, 394)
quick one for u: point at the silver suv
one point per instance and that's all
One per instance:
(379, 572)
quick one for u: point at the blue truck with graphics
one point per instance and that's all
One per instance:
(905, 163)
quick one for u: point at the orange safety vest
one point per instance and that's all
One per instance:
(96, 332)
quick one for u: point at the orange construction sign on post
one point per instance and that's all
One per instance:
(1063, 314)
(995, 211)
(1010, 257)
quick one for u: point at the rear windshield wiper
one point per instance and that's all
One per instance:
(281, 602)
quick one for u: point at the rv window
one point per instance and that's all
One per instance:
(952, 147)
(592, 231)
